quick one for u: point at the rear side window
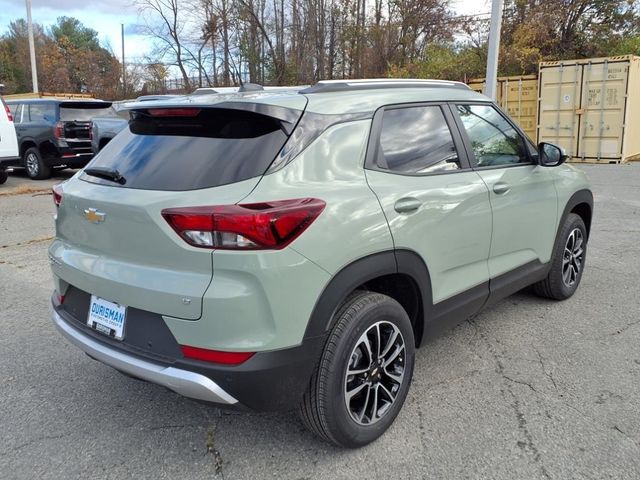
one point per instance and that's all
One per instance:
(416, 140)
(39, 112)
(213, 147)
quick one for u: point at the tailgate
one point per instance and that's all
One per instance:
(114, 243)
(77, 130)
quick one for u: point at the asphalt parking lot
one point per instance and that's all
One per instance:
(529, 389)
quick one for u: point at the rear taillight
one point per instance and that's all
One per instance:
(215, 356)
(9, 114)
(57, 194)
(58, 130)
(255, 226)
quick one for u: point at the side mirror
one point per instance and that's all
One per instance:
(551, 155)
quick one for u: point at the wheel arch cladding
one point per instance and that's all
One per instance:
(400, 274)
(580, 203)
(26, 145)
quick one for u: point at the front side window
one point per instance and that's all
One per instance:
(493, 140)
(416, 140)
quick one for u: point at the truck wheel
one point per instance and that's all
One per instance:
(33, 164)
(567, 263)
(363, 376)
(3, 176)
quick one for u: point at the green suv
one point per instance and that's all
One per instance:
(292, 249)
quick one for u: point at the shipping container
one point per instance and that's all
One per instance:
(591, 108)
(518, 96)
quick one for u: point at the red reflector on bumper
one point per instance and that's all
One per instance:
(215, 356)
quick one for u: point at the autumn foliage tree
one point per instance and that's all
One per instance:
(69, 58)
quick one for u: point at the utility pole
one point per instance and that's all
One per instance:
(124, 67)
(32, 49)
(494, 48)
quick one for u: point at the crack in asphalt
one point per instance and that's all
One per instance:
(212, 448)
(548, 374)
(529, 444)
(625, 328)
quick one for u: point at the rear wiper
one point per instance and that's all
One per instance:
(106, 173)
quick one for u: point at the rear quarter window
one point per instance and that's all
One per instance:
(215, 147)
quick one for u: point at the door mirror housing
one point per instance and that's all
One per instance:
(551, 155)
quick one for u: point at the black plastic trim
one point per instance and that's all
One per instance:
(511, 282)
(343, 283)
(584, 196)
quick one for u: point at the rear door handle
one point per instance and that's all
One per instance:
(501, 188)
(407, 205)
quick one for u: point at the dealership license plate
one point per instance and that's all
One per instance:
(107, 317)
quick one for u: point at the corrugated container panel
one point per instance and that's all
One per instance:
(591, 108)
(518, 96)
(520, 99)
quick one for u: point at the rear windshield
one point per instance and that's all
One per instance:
(211, 148)
(69, 114)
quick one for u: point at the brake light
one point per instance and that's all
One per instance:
(255, 226)
(174, 112)
(58, 130)
(9, 114)
(215, 356)
(57, 194)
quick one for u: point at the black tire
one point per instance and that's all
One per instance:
(323, 409)
(555, 285)
(3, 176)
(34, 165)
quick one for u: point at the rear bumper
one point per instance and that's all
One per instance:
(269, 381)
(183, 382)
(70, 158)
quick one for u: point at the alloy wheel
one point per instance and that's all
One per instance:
(375, 373)
(573, 257)
(32, 164)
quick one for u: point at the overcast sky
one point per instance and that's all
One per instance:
(105, 16)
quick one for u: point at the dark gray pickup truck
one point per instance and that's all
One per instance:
(106, 126)
(54, 133)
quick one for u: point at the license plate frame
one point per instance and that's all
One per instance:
(106, 317)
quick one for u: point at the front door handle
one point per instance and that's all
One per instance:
(501, 188)
(407, 205)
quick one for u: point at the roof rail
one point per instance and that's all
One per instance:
(324, 86)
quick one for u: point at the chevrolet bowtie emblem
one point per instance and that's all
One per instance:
(93, 215)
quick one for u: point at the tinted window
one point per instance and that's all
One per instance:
(493, 140)
(84, 114)
(416, 140)
(16, 111)
(39, 112)
(215, 147)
